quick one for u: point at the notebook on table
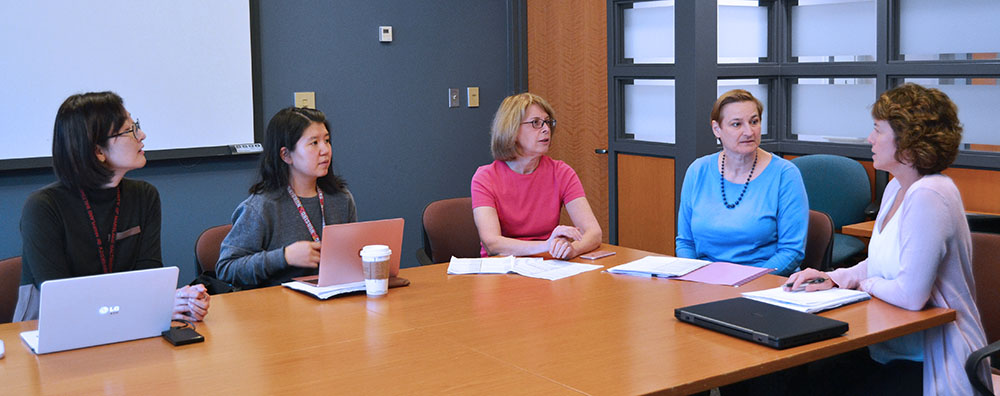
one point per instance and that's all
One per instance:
(103, 309)
(760, 322)
(811, 302)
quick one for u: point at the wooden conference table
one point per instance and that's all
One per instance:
(864, 229)
(594, 333)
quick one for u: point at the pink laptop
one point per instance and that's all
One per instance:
(340, 259)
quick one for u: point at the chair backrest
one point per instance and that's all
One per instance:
(206, 248)
(837, 186)
(986, 270)
(450, 230)
(819, 241)
(10, 280)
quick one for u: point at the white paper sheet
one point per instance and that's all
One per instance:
(532, 267)
(810, 302)
(659, 266)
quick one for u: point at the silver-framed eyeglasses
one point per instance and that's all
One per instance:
(135, 128)
(538, 122)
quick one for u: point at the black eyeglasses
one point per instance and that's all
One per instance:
(135, 128)
(538, 122)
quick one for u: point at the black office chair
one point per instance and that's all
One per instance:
(972, 369)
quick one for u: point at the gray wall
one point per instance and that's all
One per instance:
(394, 139)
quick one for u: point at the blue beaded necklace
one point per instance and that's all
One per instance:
(722, 181)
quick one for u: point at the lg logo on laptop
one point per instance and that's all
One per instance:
(105, 310)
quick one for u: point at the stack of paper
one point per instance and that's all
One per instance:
(485, 265)
(810, 302)
(324, 293)
(534, 267)
(662, 266)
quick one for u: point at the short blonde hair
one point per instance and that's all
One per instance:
(507, 121)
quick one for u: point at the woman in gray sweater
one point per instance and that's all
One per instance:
(276, 231)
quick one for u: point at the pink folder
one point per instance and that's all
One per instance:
(719, 273)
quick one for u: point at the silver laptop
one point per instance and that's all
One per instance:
(103, 309)
(339, 257)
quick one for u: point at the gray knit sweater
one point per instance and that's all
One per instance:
(252, 255)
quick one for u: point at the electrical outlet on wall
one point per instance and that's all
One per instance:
(305, 99)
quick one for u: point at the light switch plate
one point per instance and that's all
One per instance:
(385, 34)
(453, 97)
(305, 99)
(472, 96)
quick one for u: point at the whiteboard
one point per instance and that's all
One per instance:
(184, 69)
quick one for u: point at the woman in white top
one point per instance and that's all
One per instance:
(920, 250)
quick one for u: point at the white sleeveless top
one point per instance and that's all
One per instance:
(883, 262)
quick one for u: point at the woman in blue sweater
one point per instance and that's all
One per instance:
(742, 205)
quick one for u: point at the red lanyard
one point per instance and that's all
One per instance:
(106, 262)
(302, 211)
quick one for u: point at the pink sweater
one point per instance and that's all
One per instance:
(933, 268)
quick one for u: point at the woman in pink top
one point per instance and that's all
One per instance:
(517, 199)
(920, 251)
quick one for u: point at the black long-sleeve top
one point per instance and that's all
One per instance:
(58, 239)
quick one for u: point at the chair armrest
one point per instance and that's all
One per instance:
(422, 257)
(871, 211)
(972, 365)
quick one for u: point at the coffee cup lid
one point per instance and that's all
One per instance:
(375, 251)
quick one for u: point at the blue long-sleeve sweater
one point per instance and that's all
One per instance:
(767, 229)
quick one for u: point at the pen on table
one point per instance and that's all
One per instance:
(813, 281)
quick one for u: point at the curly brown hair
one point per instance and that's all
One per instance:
(925, 124)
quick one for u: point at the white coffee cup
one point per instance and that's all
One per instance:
(375, 262)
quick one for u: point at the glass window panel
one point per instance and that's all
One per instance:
(757, 87)
(978, 100)
(947, 30)
(649, 110)
(832, 109)
(833, 30)
(649, 32)
(742, 36)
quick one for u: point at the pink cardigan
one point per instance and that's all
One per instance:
(935, 270)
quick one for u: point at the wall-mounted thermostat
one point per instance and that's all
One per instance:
(385, 34)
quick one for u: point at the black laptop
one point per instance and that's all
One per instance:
(763, 323)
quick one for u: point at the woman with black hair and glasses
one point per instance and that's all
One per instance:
(94, 220)
(276, 231)
(516, 200)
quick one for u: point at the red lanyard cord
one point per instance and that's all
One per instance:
(106, 262)
(302, 211)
